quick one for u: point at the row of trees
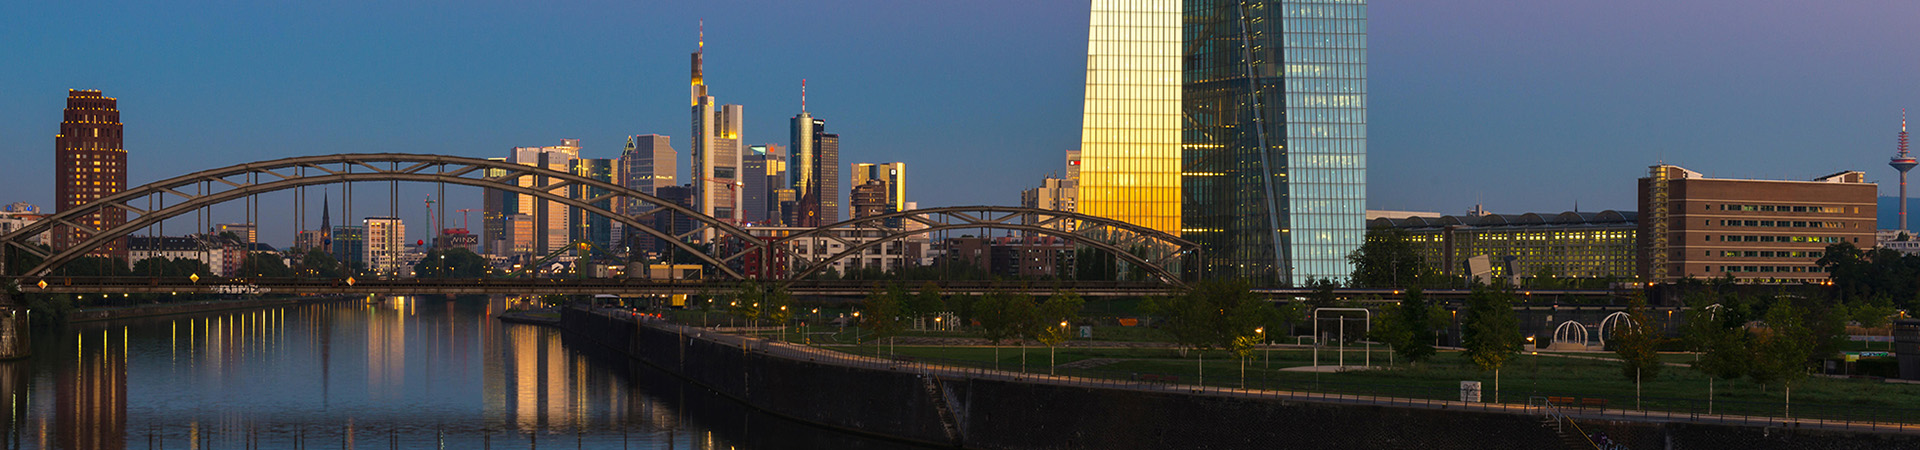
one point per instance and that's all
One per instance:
(1877, 275)
(1772, 341)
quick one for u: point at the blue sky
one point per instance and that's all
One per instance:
(1522, 106)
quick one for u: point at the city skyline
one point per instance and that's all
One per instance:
(1560, 110)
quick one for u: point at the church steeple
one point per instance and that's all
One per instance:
(326, 225)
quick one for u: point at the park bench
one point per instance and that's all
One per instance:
(1596, 403)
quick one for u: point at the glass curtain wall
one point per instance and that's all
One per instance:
(1130, 133)
(1274, 138)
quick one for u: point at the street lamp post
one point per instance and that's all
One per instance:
(1268, 346)
(1051, 362)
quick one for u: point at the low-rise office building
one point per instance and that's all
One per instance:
(1569, 244)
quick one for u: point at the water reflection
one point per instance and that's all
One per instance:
(378, 373)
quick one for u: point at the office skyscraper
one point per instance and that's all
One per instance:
(815, 171)
(495, 207)
(716, 148)
(766, 173)
(1130, 132)
(647, 165)
(893, 173)
(551, 220)
(350, 247)
(589, 226)
(386, 241)
(89, 164)
(869, 198)
(1276, 141)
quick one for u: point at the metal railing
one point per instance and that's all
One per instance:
(1657, 409)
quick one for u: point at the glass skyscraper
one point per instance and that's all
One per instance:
(588, 226)
(1130, 133)
(1238, 124)
(1275, 139)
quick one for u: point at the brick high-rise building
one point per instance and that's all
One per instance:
(1692, 226)
(89, 164)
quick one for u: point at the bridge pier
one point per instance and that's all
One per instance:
(15, 332)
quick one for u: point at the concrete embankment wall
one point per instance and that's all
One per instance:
(989, 412)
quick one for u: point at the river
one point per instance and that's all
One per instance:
(402, 372)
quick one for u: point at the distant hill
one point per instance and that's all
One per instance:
(1889, 213)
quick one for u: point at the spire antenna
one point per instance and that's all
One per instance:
(703, 34)
(803, 99)
(1903, 162)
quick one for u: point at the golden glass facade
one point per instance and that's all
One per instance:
(1130, 133)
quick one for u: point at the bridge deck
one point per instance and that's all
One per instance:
(647, 287)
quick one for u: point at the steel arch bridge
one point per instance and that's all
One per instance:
(188, 193)
(1153, 251)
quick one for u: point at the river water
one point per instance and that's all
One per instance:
(402, 372)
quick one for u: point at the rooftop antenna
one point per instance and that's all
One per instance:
(803, 95)
(1903, 162)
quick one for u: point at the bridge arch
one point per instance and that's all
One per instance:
(1074, 227)
(292, 173)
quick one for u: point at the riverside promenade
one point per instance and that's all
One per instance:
(1087, 410)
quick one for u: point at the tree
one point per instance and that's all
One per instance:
(927, 302)
(456, 262)
(881, 313)
(1210, 314)
(264, 264)
(1388, 258)
(779, 308)
(1003, 316)
(1323, 295)
(1862, 274)
(1092, 264)
(1051, 324)
(1492, 333)
(1782, 352)
(95, 266)
(1284, 317)
(1874, 313)
(1721, 343)
(319, 263)
(1413, 328)
(1635, 341)
(746, 300)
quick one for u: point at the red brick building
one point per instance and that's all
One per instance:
(1765, 230)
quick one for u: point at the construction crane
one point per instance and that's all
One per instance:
(431, 230)
(463, 217)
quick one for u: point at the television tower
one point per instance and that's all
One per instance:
(1903, 162)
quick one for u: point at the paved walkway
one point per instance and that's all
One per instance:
(799, 352)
